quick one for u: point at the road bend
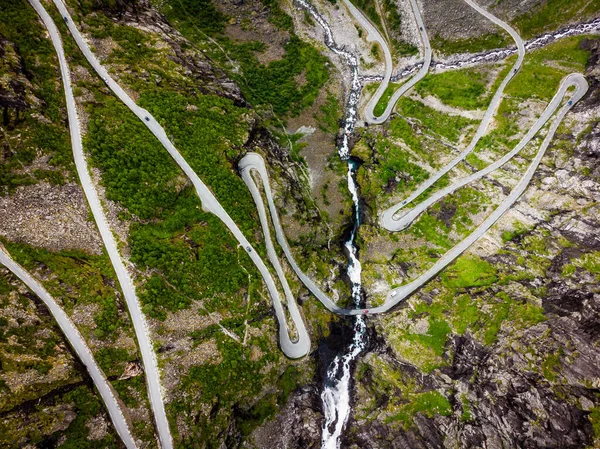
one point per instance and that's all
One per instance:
(392, 223)
(77, 342)
(293, 349)
(483, 125)
(139, 322)
(376, 36)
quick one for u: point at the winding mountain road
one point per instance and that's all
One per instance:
(398, 224)
(376, 36)
(483, 125)
(253, 161)
(292, 349)
(137, 317)
(80, 347)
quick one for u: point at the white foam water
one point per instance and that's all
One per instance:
(336, 391)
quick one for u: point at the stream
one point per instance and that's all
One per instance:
(337, 383)
(467, 60)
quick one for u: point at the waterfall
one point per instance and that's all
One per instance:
(336, 390)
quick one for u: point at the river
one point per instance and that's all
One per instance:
(338, 380)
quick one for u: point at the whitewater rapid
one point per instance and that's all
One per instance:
(336, 390)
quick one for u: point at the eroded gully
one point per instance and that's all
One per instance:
(335, 395)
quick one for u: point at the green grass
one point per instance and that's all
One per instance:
(385, 98)
(430, 404)
(469, 271)
(551, 365)
(470, 45)
(450, 220)
(397, 395)
(518, 230)
(466, 314)
(466, 414)
(544, 68)
(594, 418)
(553, 14)
(465, 88)
(391, 161)
(589, 262)
(450, 127)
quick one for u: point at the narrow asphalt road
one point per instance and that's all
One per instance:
(253, 161)
(292, 349)
(376, 36)
(397, 224)
(396, 295)
(139, 322)
(483, 125)
(78, 344)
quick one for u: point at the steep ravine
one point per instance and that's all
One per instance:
(535, 386)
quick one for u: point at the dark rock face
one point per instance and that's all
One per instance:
(511, 405)
(298, 425)
(211, 80)
(12, 92)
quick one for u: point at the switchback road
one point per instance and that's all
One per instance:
(483, 125)
(79, 345)
(293, 349)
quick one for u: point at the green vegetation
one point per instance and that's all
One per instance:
(466, 415)
(190, 253)
(45, 422)
(518, 230)
(448, 221)
(397, 394)
(551, 364)
(276, 84)
(254, 385)
(330, 114)
(538, 79)
(37, 363)
(385, 98)
(429, 403)
(392, 163)
(471, 44)
(428, 150)
(33, 122)
(370, 9)
(465, 88)
(24, 350)
(594, 418)
(389, 25)
(420, 334)
(552, 14)
(544, 68)
(469, 271)
(285, 86)
(450, 127)
(589, 262)
(75, 277)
